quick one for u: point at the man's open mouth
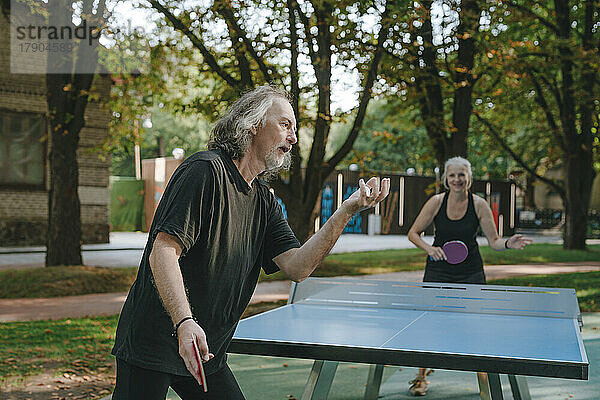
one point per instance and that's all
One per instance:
(285, 149)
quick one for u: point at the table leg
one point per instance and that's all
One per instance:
(490, 387)
(320, 379)
(373, 382)
(519, 387)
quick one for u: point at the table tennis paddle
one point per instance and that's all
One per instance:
(200, 368)
(456, 251)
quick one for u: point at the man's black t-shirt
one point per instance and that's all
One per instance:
(228, 231)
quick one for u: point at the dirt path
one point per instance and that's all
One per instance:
(68, 386)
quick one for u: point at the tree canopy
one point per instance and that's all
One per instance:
(505, 83)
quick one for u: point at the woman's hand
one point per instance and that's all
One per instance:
(436, 253)
(518, 242)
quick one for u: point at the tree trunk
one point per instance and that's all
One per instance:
(446, 142)
(294, 186)
(322, 65)
(63, 240)
(429, 90)
(530, 191)
(580, 176)
(301, 215)
(303, 196)
(579, 157)
(463, 78)
(67, 97)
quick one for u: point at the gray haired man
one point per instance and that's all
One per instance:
(216, 226)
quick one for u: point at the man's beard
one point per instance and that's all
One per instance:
(275, 165)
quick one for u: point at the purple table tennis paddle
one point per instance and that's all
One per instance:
(456, 251)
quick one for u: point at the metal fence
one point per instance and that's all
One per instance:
(540, 218)
(554, 219)
(408, 193)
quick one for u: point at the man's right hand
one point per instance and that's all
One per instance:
(188, 332)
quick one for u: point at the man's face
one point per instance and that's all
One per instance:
(275, 138)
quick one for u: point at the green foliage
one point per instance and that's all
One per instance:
(131, 97)
(392, 140)
(201, 90)
(188, 132)
(389, 141)
(525, 98)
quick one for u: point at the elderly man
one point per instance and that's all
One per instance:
(216, 226)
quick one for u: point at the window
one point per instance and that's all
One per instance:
(22, 148)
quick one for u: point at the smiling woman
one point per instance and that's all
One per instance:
(457, 173)
(458, 215)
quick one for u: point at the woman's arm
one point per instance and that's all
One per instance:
(423, 220)
(486, 221)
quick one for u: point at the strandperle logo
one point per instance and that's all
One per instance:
(70, 36)
(81, 32)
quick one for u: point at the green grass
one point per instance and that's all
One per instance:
(539, 253)
(79, 346)
(68, 281)
(586, 284)
(64, 281)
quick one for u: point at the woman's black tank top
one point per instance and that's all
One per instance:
(464, 229)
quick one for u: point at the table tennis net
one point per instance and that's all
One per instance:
(467, 298)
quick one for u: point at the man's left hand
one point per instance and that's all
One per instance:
(368, 194)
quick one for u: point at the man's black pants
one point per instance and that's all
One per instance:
(135, 383)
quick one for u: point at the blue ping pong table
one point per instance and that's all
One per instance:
(494, 330)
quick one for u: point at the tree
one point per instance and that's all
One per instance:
(67, 96)
(277, 39)
(553, 55)
(436, 70)
(393, 140)
(390, 141)
(189, 133)
(74, 59)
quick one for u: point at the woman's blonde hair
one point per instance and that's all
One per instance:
(461, 162)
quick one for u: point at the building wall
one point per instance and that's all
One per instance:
(545, 196)
(24, 210)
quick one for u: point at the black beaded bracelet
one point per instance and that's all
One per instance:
(506, 244)
(177, 325)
